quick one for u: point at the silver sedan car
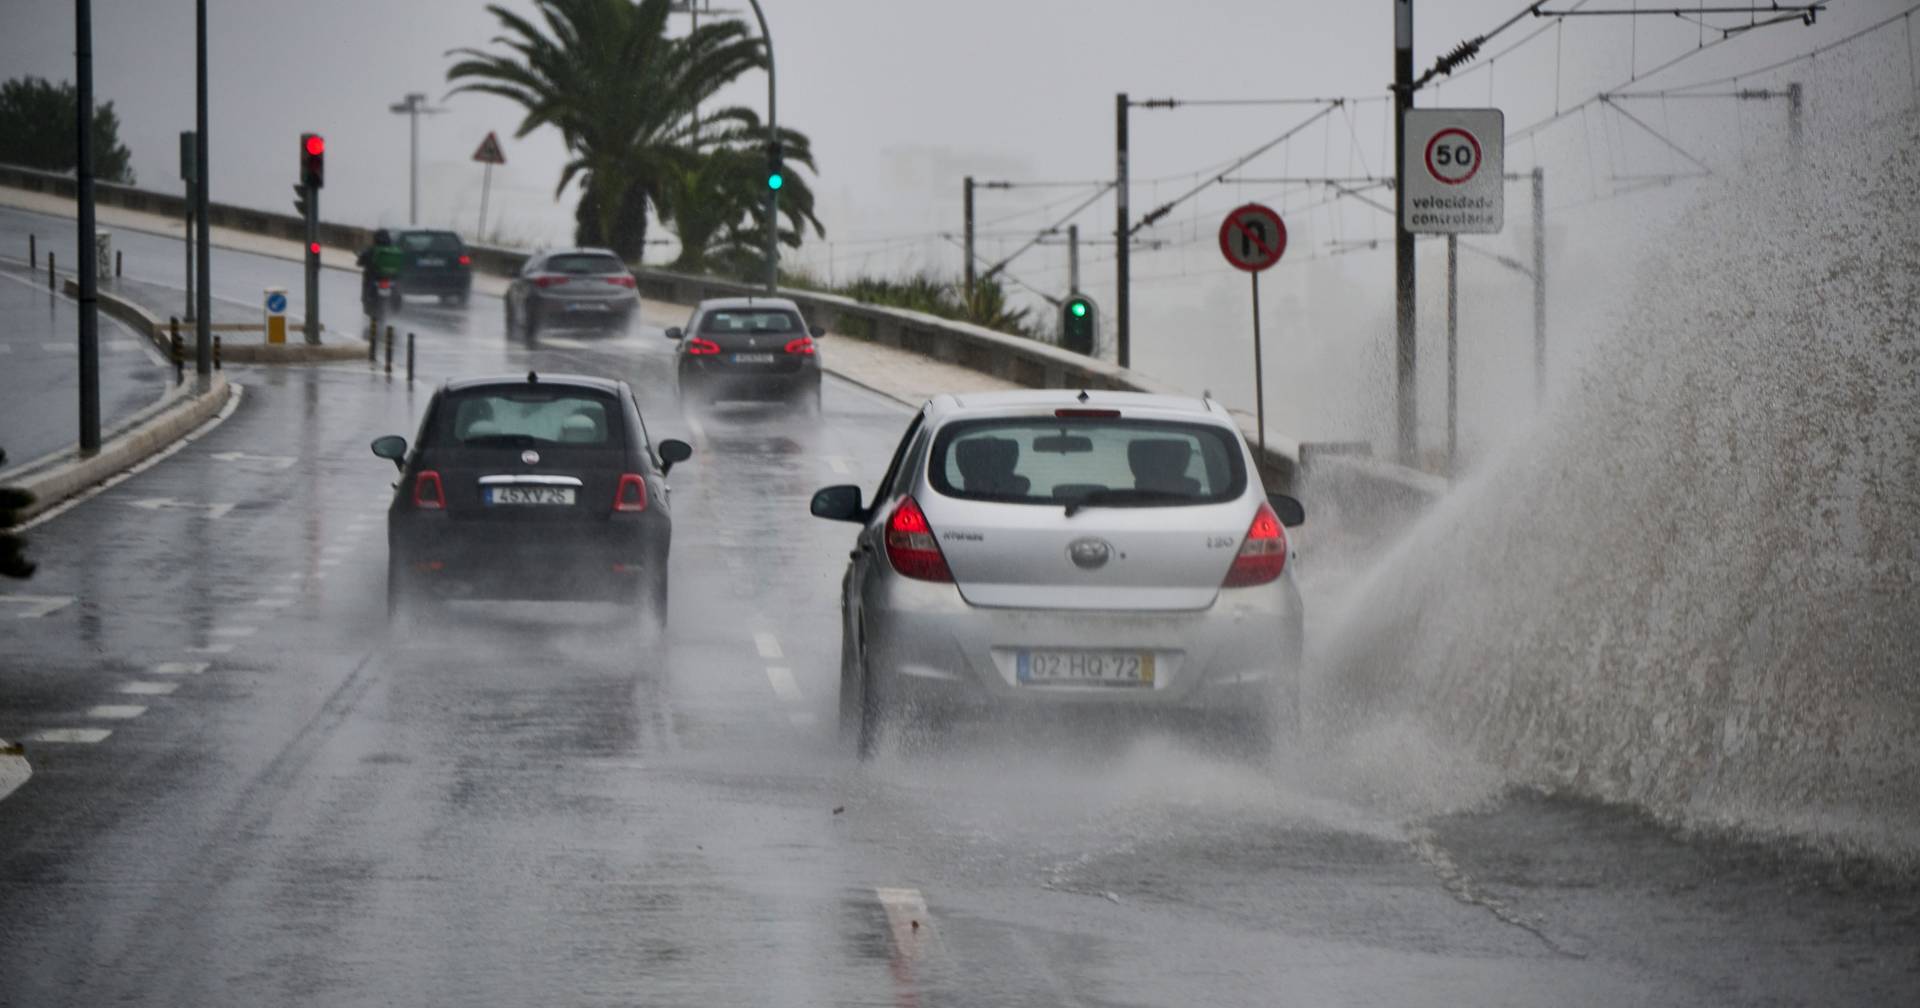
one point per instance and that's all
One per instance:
(1075, 552)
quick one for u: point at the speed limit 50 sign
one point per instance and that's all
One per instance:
(1454, 172)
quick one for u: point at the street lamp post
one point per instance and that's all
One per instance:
(773, 144)
(412, 107)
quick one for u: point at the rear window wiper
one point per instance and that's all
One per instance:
(1124, 495)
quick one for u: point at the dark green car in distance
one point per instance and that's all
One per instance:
(437, 264)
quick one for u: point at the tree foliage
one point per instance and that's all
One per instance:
(37, 130)
(632, 105)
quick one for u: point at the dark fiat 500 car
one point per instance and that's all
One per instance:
(749, 348)
(541, 487)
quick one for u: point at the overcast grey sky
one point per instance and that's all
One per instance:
(903, 99)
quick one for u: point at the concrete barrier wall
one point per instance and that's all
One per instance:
(1390, 491)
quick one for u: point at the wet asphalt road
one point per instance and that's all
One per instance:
(281, 805)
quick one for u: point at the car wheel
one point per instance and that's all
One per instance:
(655, 617)
(506, 312)
(408, 608)
(530, 322)
(460, 300)
(872, 707)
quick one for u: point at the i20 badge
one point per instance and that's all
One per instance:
(1089, 553)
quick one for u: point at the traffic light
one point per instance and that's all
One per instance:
(300, 200)
(1079, 324)
(313, 156)
(13, 559)
(776, 171)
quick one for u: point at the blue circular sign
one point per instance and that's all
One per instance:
(276, 303)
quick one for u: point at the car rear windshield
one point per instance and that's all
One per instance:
(584, 264)
(430, 241)
(750, 320)
(1115, 461)
(525, 417)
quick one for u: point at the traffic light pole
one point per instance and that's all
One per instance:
(1404, 345)
(1122, 236)
(203, 232)
(966, 202)
(313, 265)
(773, 145)
(89, 256)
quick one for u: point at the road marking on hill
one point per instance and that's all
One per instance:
(140, 688)
(35, 606)
(768, 644)
(14, 768)
(907, 920)
(784, 685)
(180, 668)
(77, 736)
(116, 712)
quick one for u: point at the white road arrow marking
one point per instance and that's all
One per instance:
(36, 605)
(270, 461)
(171, 504)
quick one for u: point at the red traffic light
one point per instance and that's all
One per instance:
(316, 144)
(313, 247)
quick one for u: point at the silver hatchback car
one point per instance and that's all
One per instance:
(1074, 552)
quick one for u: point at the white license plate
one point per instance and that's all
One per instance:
(753, 358)
(529, 495)
(585, 306)
(430, 261)
(1092, 668)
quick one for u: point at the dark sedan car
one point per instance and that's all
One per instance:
(541, 487)
(436, 263)
(584, 288)
(749, 348)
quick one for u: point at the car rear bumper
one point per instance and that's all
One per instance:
(436, 283)
(604, 560)
(720, 379)
(1237, 656)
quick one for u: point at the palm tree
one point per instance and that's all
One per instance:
(716, 201)
(622, 94)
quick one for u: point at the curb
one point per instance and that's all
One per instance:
(160, 336)
(54, 478)
(882, 393)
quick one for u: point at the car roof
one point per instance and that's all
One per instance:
(1028, 401)
(607, 385)
(429, 231)
(577, 250)
(750, 301)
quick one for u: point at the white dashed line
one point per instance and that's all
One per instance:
(839, 465)
(329, 562)
(212, 649)
(82, 736)
(138, 688)
(768, 644)
(783, 684)
(179, 668)
(907, 919)
(14, 768)
(36, 606)
(234, 631)
(116, 712)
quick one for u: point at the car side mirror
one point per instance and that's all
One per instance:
(673, 451)
(393, 447)
(674, 333)
(817, 331)
(1288, 510)
(839, 503)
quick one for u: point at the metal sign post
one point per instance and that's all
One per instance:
(1253, 238)
(488, 154)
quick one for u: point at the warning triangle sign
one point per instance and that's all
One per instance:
(489, 151)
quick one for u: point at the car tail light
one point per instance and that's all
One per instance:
(547, 280)
(1263, 555)
(466, 260)
(631, 494)
(702, 347)
(911, 547)
(385, 284)
(802, 346)
(428, 495)
(620, 281)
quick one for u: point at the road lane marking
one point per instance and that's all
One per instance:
(140, 688)
(784, 685)
(79, 736)
(179, 668)
(233, 404)
(120, 712)
(768, 644)
(839, 465)
(560, 341)
(14, 768)
(907, 919)
(35, 606)
(211, 649)
(233, 631)
(285, 589)
(269, 461)
(273, 603)
(170, 504)
(329, 562)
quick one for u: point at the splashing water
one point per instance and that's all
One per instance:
(1695, 584)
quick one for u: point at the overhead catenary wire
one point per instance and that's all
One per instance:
(1162, 210)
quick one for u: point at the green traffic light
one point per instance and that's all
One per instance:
(1078, 308)
(775, 181)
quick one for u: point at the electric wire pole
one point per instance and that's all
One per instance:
(203, 230)
(966, 202)
(1404, 343)
(89, 248)
(413, 106)
(1122, 236)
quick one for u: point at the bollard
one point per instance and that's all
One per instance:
(50, 281)
(33, 249)
(179, 350)
(116, 263)
(389, 349)
(409, 358)
(373, 341)
(216, 351)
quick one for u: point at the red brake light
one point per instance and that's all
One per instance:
(1263, 555)
(1099, 413)
(702, 347)
(802, 346)
(911, 547)
(620, 281)
(466, 260)
(384, 283)
(428, 495)
(547, 280)
(631, 495)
